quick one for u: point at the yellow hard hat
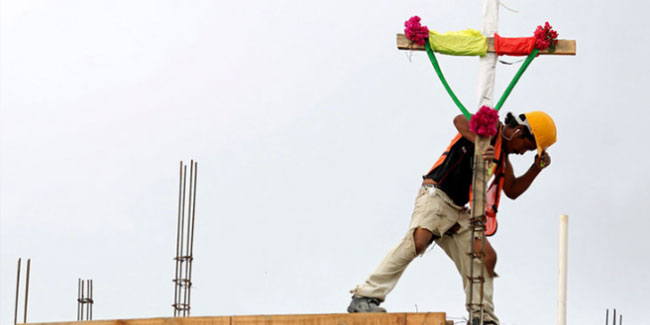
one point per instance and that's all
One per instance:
(543, 129)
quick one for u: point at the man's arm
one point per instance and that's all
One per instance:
(513, 186)
(462, 125)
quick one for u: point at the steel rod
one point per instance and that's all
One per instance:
(79, 299)
(87, 300)
(189, 289)
(187, 245)
(17, 287)
(607, 316)
(182, 258)
(26, 289)
(92, 302)
(178, 235)
(614, 321)
(83, 298)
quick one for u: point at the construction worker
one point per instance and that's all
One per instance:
(441, 214)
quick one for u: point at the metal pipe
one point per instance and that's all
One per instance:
(17, 286)
(26, 289)
(562, 269)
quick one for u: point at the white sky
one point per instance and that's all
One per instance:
(312, 132)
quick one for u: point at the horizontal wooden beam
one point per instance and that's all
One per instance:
(563, 47)
(305, 319)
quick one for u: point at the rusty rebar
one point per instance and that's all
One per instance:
(191, 255)
(17, 287)
(26, 289)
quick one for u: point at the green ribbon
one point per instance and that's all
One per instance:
(506, 93)
(512, 84)
(436, 66)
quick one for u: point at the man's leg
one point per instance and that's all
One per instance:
(458, 248)
(385, 277)
(428, 220)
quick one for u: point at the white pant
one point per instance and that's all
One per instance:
(436, 212)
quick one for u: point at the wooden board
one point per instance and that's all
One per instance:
(306, 319)
(563, 47)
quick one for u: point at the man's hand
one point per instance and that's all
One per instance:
(543, 161)
(488, 154)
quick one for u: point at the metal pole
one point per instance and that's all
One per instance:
(187, 246)
(178, 236)
(607, 316)
(83, 299)
(562, 269)
(26, 289)
(79, 299)
(92, 302)
(182, 258)
(88, 300)
(614, 322)
(17, 286)
(189, 289)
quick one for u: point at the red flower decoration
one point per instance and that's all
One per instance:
(484, 122)
(416, 32)
(545, 37)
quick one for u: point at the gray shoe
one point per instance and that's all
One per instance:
(365, 305)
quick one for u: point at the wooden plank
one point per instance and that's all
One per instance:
(344, 319)
(305, 319)
(221, 320)
(426, 318)
(563, 47)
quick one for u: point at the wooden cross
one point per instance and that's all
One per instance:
(563, 47)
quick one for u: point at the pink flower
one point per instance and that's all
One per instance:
(484, 122)
(545, 37)
(416, 32)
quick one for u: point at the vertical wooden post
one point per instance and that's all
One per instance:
(479, 189)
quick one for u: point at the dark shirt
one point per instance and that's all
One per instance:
(454, 175)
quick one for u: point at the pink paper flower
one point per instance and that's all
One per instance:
(545, 37)
(484, 122)
(416, 32)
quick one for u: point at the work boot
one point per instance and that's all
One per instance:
(365, 305)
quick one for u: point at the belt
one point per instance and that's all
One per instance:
(430, 185)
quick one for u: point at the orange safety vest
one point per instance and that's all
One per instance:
(494, 190)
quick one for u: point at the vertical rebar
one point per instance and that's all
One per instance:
(26, 289)
(79, 299)
(83, 298)
(620, 318)
(92, 302)
(17, 287)
(614, 321)
(186, 256)
(178, 236)
(607, 316)
(189, 289)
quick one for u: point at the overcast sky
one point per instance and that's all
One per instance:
(311, 131)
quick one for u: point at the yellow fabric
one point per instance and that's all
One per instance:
(464, 42)
(543, 129)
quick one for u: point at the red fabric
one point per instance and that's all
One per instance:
(514, 46)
